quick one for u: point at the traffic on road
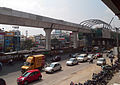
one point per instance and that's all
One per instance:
(34, 68)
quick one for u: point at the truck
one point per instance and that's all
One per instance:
(33, 62)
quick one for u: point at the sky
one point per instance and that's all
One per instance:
(74, 11)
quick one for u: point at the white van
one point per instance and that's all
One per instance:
(82, 57)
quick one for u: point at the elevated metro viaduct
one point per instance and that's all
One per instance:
(13, 17)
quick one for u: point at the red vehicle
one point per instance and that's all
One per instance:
(29, 76)
(97, 55)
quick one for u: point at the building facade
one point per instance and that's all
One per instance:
(39, 41)
(9, 42)
(12, 41)
(2, 40)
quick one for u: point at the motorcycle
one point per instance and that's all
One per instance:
(91, 61)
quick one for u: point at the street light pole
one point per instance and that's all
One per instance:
(117, 37)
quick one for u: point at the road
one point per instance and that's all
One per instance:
(10, 73)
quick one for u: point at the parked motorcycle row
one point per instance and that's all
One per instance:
(103, 77)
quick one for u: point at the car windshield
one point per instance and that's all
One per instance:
(81, 56)
(101, 59)
(97, 54)
(71, 59)
(90, 55)
(27, 64)
(75, 54)
(25, 74)
(52, 65)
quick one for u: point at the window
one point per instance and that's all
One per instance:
(32, 74)
(26, 74)
(36, 72)
(56, 65)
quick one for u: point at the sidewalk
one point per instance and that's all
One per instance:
(81, 75)
(115, 80)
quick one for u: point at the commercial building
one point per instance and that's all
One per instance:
(16, 40)
(60, 39)
(39, 41)
(9, 41)
(12, 41)
(2, 40)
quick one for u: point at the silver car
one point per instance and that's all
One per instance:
(72, 61)
(53, 67)
(101, 61)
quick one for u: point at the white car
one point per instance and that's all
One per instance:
(82, 57)
(90, 56)
(101, 61)
(53, 67)
(72, 61)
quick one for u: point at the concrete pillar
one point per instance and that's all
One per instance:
(48, 38)
(75, 37)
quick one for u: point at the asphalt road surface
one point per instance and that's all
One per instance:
(11, 72)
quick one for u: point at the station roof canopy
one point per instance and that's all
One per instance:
(114, 5)
(92, 22)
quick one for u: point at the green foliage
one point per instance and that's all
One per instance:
(27, 44)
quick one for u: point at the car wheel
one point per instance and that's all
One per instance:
(60, 68)
(26, 83)
(52, 71)
(40, 77)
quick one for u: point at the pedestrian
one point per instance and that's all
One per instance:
(72, 83)
(111, 59)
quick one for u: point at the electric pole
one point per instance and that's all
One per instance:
(117, 37)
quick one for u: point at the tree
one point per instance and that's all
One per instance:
(27, 44)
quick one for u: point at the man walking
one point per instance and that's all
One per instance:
(111, 59)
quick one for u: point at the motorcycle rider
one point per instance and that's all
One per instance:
(91, 60)
(10, 61)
